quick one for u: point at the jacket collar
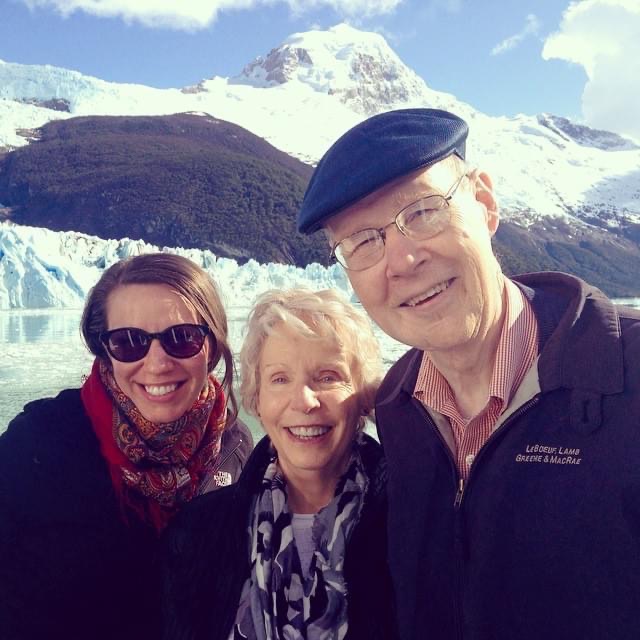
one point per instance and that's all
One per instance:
(583, 350)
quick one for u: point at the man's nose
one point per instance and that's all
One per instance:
(402, 254)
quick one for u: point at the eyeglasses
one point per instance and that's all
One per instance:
(129, 344)
(420, 220)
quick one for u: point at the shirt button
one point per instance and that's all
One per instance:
(469, 459)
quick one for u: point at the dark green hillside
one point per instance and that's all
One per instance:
(603, 259)
(181, 180)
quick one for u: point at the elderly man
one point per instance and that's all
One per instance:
(512, 427)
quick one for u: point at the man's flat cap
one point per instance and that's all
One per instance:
(376, 151)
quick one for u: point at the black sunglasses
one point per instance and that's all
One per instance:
(129, 344)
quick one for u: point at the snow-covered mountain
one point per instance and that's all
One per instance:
(306, 92)
(357, 68)
(328, 79)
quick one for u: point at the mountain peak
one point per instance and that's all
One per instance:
(357, 67)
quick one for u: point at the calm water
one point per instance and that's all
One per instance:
(42, 353)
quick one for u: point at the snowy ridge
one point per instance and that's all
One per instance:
(41, 268)
(85, 94)
(605, 140)
(539, 172)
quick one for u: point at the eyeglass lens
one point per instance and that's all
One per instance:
(179, 341)
(422, 219)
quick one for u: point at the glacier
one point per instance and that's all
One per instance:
(42, 269)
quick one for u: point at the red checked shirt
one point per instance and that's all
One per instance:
(517, 352)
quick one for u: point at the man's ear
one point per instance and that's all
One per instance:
(484, 194)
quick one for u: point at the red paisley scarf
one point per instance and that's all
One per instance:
(154, 467)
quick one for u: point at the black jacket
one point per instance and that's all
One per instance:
(206, 558)
(544, 541)
(70, 567)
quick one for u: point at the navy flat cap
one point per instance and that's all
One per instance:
(374, 152)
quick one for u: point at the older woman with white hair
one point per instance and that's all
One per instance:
(297, 548)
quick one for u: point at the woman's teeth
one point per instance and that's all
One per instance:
(308, 432)
(160, 389)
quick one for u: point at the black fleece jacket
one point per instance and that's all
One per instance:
(70, 567)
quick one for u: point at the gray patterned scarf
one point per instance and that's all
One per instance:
(278, 602)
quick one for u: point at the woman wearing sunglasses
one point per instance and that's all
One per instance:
(297, 548)
(89, 479)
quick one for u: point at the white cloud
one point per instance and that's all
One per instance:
(531, 28)
(192, 15)
(366, 8)
(603, 36)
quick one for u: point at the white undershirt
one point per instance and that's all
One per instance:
(302, 525)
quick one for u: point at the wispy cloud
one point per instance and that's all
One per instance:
(602, 37)
(395, 37)
(531, 28)
(448, 6)
(432, 9)
(192, 15)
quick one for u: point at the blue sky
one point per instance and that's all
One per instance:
(575, 59)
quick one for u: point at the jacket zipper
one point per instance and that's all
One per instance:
(457, 606)
(516, 414)
(229, 454)
(458, 499)
(457, 503)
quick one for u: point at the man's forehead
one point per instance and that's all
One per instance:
(418, 182)
(394, 195)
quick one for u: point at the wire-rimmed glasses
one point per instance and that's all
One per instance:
(420, 220)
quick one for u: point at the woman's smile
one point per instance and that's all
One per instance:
(310, 433)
